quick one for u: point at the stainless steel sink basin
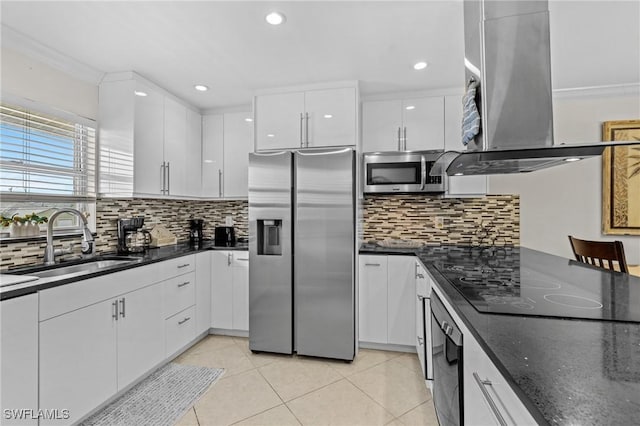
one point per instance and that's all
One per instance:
(84, 267)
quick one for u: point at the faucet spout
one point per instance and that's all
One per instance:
(87, 237)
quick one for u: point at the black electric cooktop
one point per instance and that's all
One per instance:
(526, 282)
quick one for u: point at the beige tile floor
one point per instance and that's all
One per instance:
(377, 388)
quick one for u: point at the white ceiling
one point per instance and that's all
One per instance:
(230, 48)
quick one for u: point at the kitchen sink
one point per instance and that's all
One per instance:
(81, 267)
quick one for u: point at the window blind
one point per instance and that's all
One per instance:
(44, 157)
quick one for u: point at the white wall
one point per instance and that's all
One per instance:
(24, 77)
(567, 200)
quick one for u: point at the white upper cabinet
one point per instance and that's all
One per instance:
(330, 117)
(150, 143)
(459, 186)
(280, 120)
(148, 134)
(227, 140)
(238, 138)
(412, 124)
(212, 155)
(305, 118)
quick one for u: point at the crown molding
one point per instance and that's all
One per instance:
(598, 91)
(33, 49)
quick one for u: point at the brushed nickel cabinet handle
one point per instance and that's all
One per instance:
(399, 139)
(371, 264)
(168, 178)
(163, 177)
(183, 284)
(183, 266)
(122, 307)
(483, 384)
(306, 128)
(220, 183)
(184, 320)
(301, 139)
(114, 315)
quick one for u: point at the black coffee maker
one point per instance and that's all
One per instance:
(195, 231)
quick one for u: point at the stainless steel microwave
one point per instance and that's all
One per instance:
(401, 172)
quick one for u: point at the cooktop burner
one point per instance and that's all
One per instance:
(509, 287)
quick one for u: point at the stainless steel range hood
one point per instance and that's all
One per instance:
(507, 52)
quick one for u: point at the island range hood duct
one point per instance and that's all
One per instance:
(507, 61)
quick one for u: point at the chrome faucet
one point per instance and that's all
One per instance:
(87, 238)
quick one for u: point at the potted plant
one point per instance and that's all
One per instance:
(24, 226)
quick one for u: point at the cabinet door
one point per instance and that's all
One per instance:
(175, 146)
(78, 369)
(148, 141)
(278, 120)
(19, 359)
(420, 337)
(401, 293)
(331, 118)
(240, 273)
(212, 155)
(459, 185)
(203, 292)
(423, 123)
(372, 298)
(381, 122)
(140, 333)
(222, 290)
(238, 138)
(193, 152)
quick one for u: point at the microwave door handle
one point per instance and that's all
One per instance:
(423, 166)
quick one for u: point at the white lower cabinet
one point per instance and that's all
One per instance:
(78, 360)
(19, 359)
(230, 290)
(180, 329)
(386, 295)
(203, 291)
(488, 398)
(140, 333)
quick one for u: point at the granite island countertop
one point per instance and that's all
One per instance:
(152, 255)
(567, 371)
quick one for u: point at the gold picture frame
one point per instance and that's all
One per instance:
(621, 179)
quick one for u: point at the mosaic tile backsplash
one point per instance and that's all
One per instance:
(494, 219)
(490, 220)
(172, 214)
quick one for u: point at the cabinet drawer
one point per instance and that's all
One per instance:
(180, 329)
(178, 266)
(179, 293)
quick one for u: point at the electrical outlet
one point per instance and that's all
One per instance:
(438, 222)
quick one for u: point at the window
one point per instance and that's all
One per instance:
(46, 162)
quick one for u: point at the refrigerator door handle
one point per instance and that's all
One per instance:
(310, 154)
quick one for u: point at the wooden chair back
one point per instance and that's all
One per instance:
(600, 253)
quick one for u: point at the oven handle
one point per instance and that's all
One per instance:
(482, 384)
(423, 166)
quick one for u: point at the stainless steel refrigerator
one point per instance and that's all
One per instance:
(302, 252)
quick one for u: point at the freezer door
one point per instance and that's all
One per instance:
(324, 253)
(270, 251)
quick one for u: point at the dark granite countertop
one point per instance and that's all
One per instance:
(567, 371)
(150, 256)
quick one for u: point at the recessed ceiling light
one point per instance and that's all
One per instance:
(458, 174)
(420, 66)
(271, 135)
(201, 88)
(208, 161)
(139, 93)
(248, 119)
(328, 116)
(275, 18)
(410, 107)
(572, 159)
